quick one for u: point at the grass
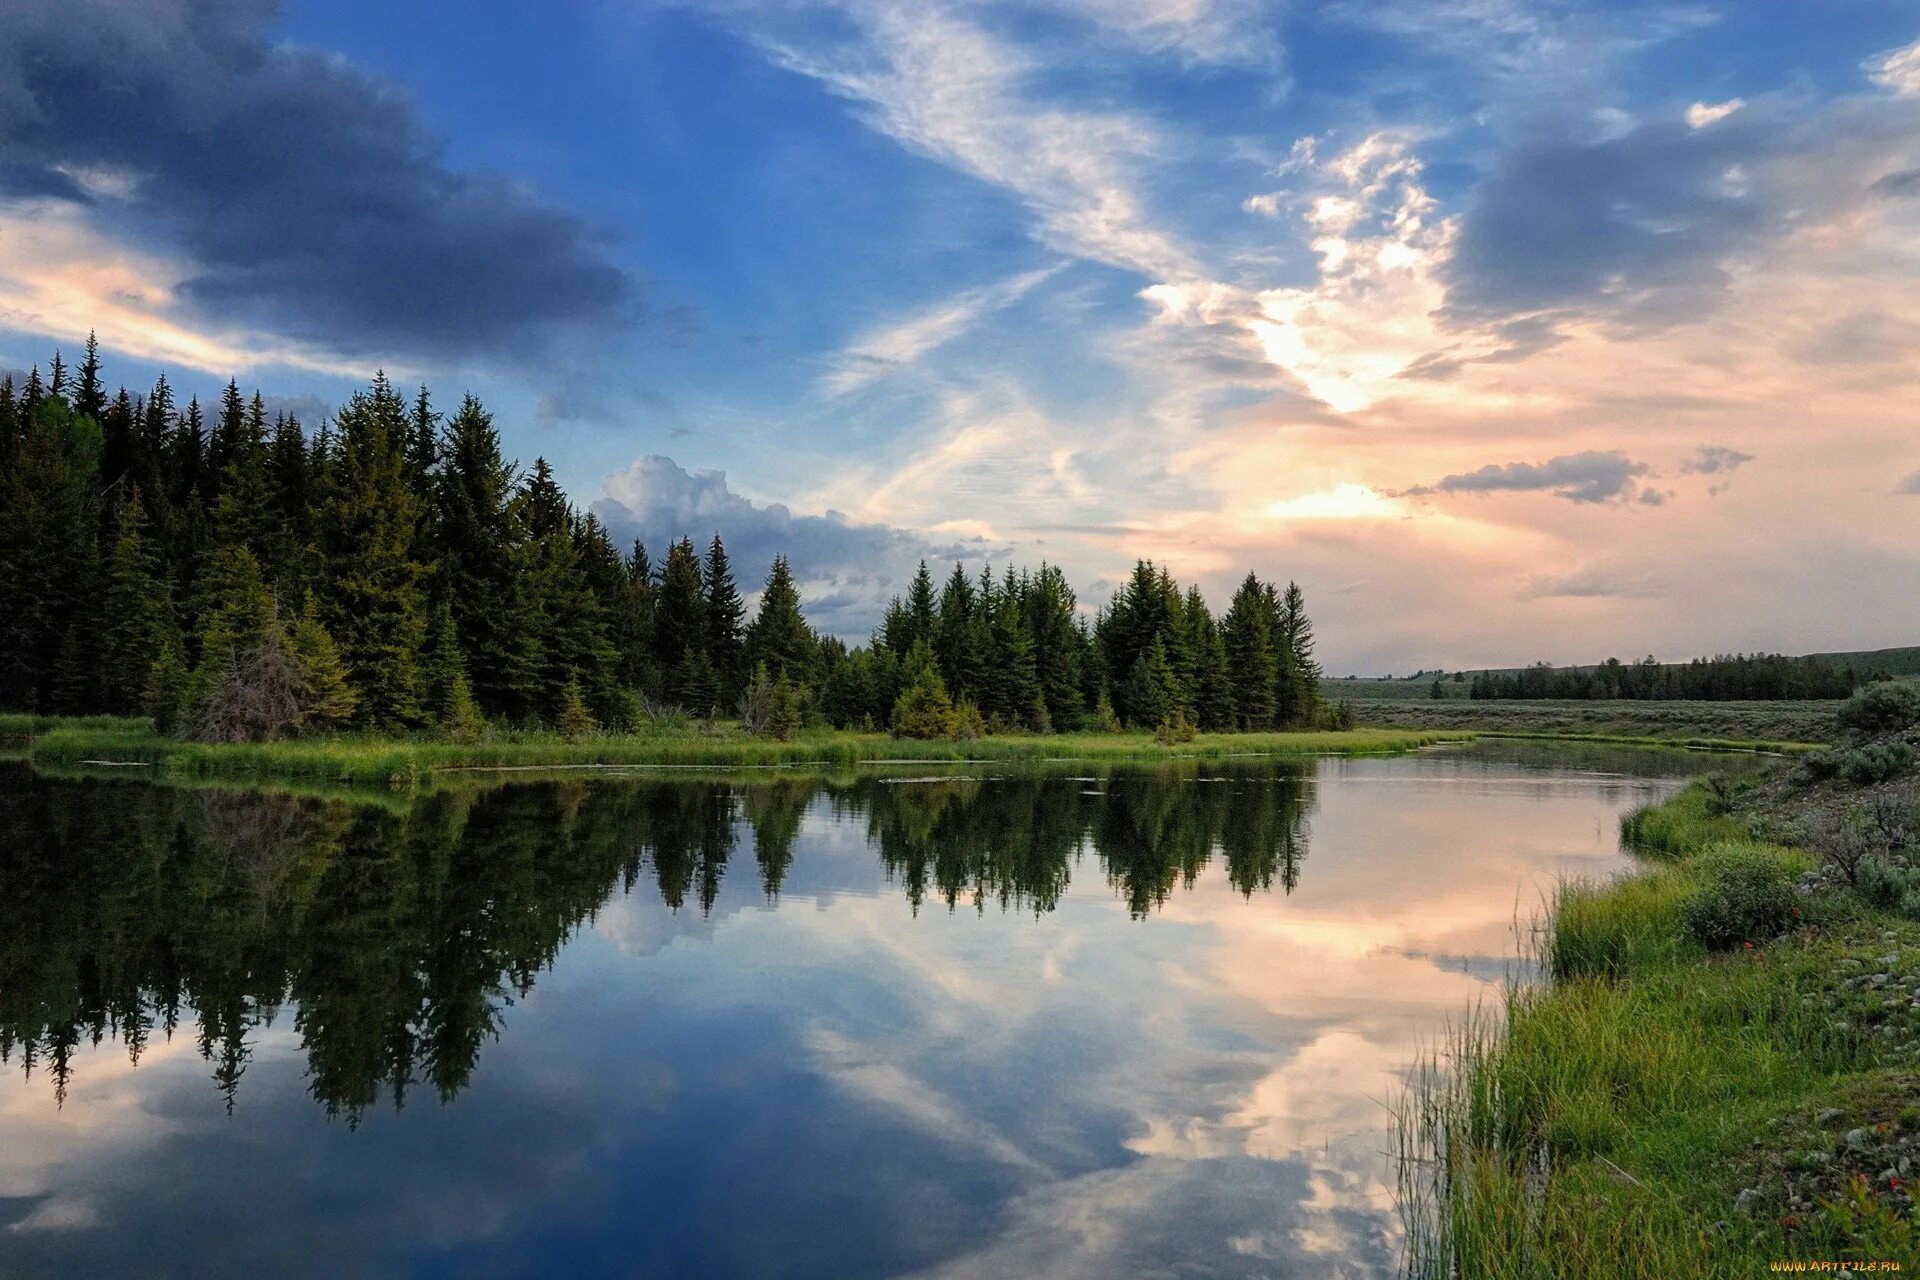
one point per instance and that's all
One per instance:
(1762, 726)
(403, 763)
(1605, 1122)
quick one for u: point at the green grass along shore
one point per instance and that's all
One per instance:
(1655, 1110)
(395, 762)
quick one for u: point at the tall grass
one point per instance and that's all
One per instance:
(404, 763)
(1585, 1126)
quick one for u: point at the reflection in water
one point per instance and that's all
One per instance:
(1031, 1023)
(398, 939)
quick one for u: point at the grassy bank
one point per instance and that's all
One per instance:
(400, 762)
(1756, 725)
(1657, 1108)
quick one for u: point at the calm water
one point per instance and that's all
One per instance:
(1075, 1023)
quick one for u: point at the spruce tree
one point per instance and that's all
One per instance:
(923, 709)
(481, 539)
(722, 619)
(169, 687)
(780, 638)
(1251, 666)
(1299, 697)
(1153, 690)
(138, 610)
(326, 700)
(679, 625)
(375, 608)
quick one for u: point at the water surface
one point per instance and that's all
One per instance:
(1066, 1022)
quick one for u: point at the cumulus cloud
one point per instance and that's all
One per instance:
(304, 196)
(1592, 476)
(848, 569)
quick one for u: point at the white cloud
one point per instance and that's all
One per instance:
(1897, 69)
(1701, 114)
(887, 348)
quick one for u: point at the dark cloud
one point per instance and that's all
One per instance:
(309, 195)
(848, 569)
(1593, 476)
(1649, 216)
(1713, 460)
(1904, 182)
(1909, 486)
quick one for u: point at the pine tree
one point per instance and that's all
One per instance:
(1153, 691)
(574, 720)
(1250, 657)
(169, 686)
(481, 539)
(326, 700)
(1057, 645)
(1013, 686)
(923, 709)
(375, 608)
(1299, 694)
(780, 638)
(630, 624)
(957, 641)
(679, 625)
(89, 397)
(722, 619)
(921, 609)
(138, 610)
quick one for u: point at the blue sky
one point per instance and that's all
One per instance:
(1508, 329)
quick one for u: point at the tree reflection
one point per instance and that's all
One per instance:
(399, 939)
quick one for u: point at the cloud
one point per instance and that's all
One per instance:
(949, 89)
(1713, 459)
(1909, 486)
(1897, 70)
(1593, 582)
(305, 197)
(897, 344)
(1592, 476)
(1700, 114)
(847, 570)
(1643, 221)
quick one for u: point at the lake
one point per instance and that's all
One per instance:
(1069, 1021)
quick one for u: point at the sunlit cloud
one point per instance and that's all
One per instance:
(1702, 114)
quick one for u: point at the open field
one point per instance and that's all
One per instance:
(401, 762)
(1763, 725)
(1660, 1110)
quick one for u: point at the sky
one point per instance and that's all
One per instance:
(1510, 330)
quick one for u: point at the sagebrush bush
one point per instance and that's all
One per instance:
(1862, 766)
(1745, 899)
(1885, 706)
(1889, 885)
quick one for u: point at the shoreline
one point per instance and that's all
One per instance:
(1650, 1107)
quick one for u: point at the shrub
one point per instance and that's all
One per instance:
(1889, 885)
(1861, 766)
(967, 724)
(1885, 706)
(1175, 728)
(1745, 899)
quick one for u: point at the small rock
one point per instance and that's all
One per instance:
(1829, 1115)
(1743, 1203)
(1856, 1139)
(1890, 959)
(1881, 979)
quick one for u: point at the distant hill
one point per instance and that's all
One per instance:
(1893, 662)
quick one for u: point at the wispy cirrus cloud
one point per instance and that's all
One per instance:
(897, 344)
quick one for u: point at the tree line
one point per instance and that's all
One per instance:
(1739, 677)
(237, 576)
